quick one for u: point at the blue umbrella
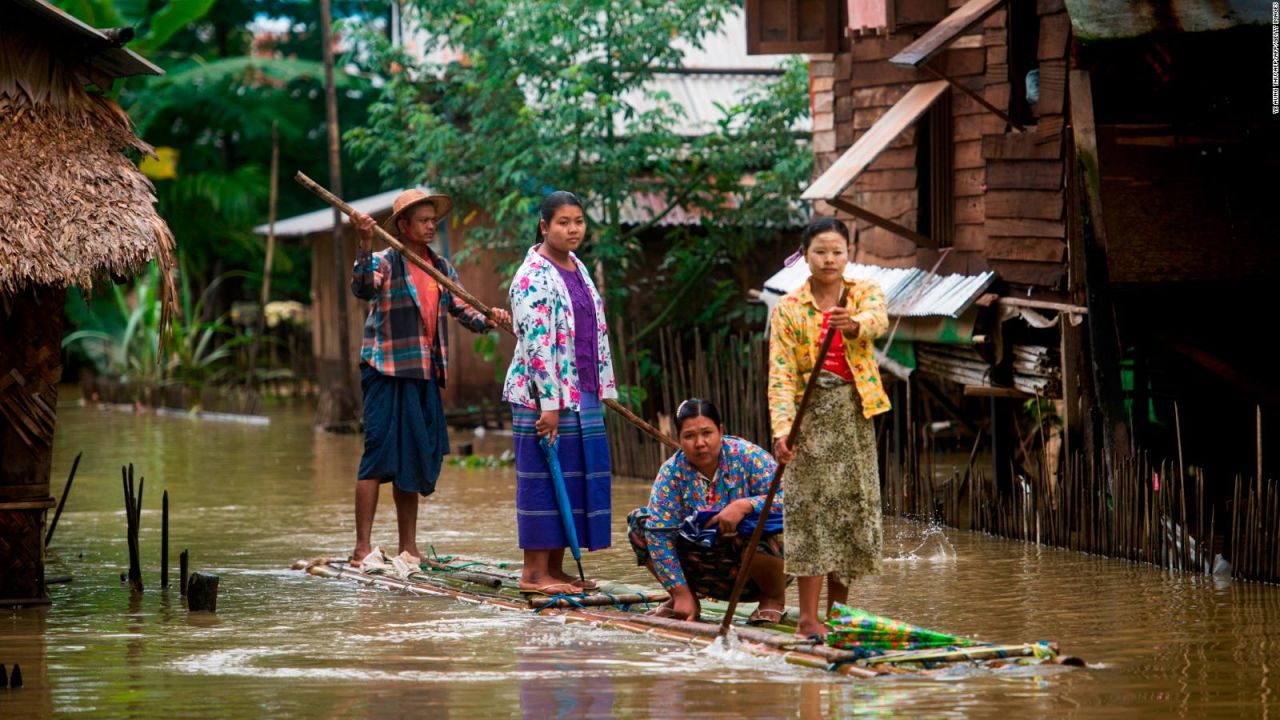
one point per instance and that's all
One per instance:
(562, 502)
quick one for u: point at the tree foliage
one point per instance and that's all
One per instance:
(542, 96)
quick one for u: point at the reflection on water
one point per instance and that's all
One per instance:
(248, 501)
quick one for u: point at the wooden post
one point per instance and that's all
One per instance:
(336, 406)
(164, 540)
(202, 592)
(1103, 345)
(183, 559)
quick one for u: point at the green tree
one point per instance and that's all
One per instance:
(559, 96)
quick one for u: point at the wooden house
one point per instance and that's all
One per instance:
(1100, 157)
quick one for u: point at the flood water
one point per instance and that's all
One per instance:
(248, 501)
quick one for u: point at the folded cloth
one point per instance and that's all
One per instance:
(694, 529)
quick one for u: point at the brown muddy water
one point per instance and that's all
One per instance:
(248, 501)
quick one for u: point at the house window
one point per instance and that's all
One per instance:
(935, 175)
(1022, 24)
(793, 26)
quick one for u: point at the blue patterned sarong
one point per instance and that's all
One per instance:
(583, 450)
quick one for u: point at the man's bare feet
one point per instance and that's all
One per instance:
(358, 556)
(414, 551)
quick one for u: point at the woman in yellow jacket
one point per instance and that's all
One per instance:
(832, 513)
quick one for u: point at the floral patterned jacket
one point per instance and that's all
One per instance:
(543, 316)
(795, 336)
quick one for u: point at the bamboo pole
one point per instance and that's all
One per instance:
(672, 629)
(599, 600)
(341, 206)
(749, 553)
(62, 502)
(267, 263)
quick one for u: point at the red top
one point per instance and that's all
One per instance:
(835, 361)
(428, 300)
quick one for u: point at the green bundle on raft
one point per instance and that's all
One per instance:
(858, 630)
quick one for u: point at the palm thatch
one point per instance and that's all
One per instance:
(72, 205)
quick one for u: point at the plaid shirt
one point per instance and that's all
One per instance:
(395, 341)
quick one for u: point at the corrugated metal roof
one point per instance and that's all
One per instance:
(1114, 19)
(639, 209)
(701, 95)
(319, 220)
(909, 292)
(727, 48)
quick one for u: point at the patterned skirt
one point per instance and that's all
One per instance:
(583, 451)
(832, 512)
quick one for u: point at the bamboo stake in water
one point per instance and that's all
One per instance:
(339, 205)
(749, 553)
(62, 502)
(164, 540)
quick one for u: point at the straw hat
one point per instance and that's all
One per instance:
(410, 198)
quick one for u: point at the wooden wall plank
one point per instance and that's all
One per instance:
(1053, 87)
(970, 210)
(1026, 249)
(1025, 227)
(1055, 32)
(901, 179)
(1024, 175)
(968, 155)
(1030, 204)
(969, 182)
(1042, 274)
(1020, 146)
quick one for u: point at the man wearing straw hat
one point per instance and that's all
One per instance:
(403, 359)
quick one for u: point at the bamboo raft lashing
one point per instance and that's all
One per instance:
(619, 610)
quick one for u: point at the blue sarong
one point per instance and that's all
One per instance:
(694, 529)
(583, 450)
(405, 436)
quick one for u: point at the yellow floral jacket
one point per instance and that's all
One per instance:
(794, 337)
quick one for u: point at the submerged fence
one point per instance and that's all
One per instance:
(1148, 511)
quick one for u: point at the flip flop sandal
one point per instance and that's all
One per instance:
(551, 590)
(587, 586)
(766, 617)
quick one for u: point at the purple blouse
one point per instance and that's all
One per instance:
(584, 331)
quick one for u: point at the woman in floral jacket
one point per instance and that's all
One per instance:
(561, 371)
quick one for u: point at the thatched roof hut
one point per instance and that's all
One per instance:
(73, 207)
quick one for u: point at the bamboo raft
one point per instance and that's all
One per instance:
(621, 607)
